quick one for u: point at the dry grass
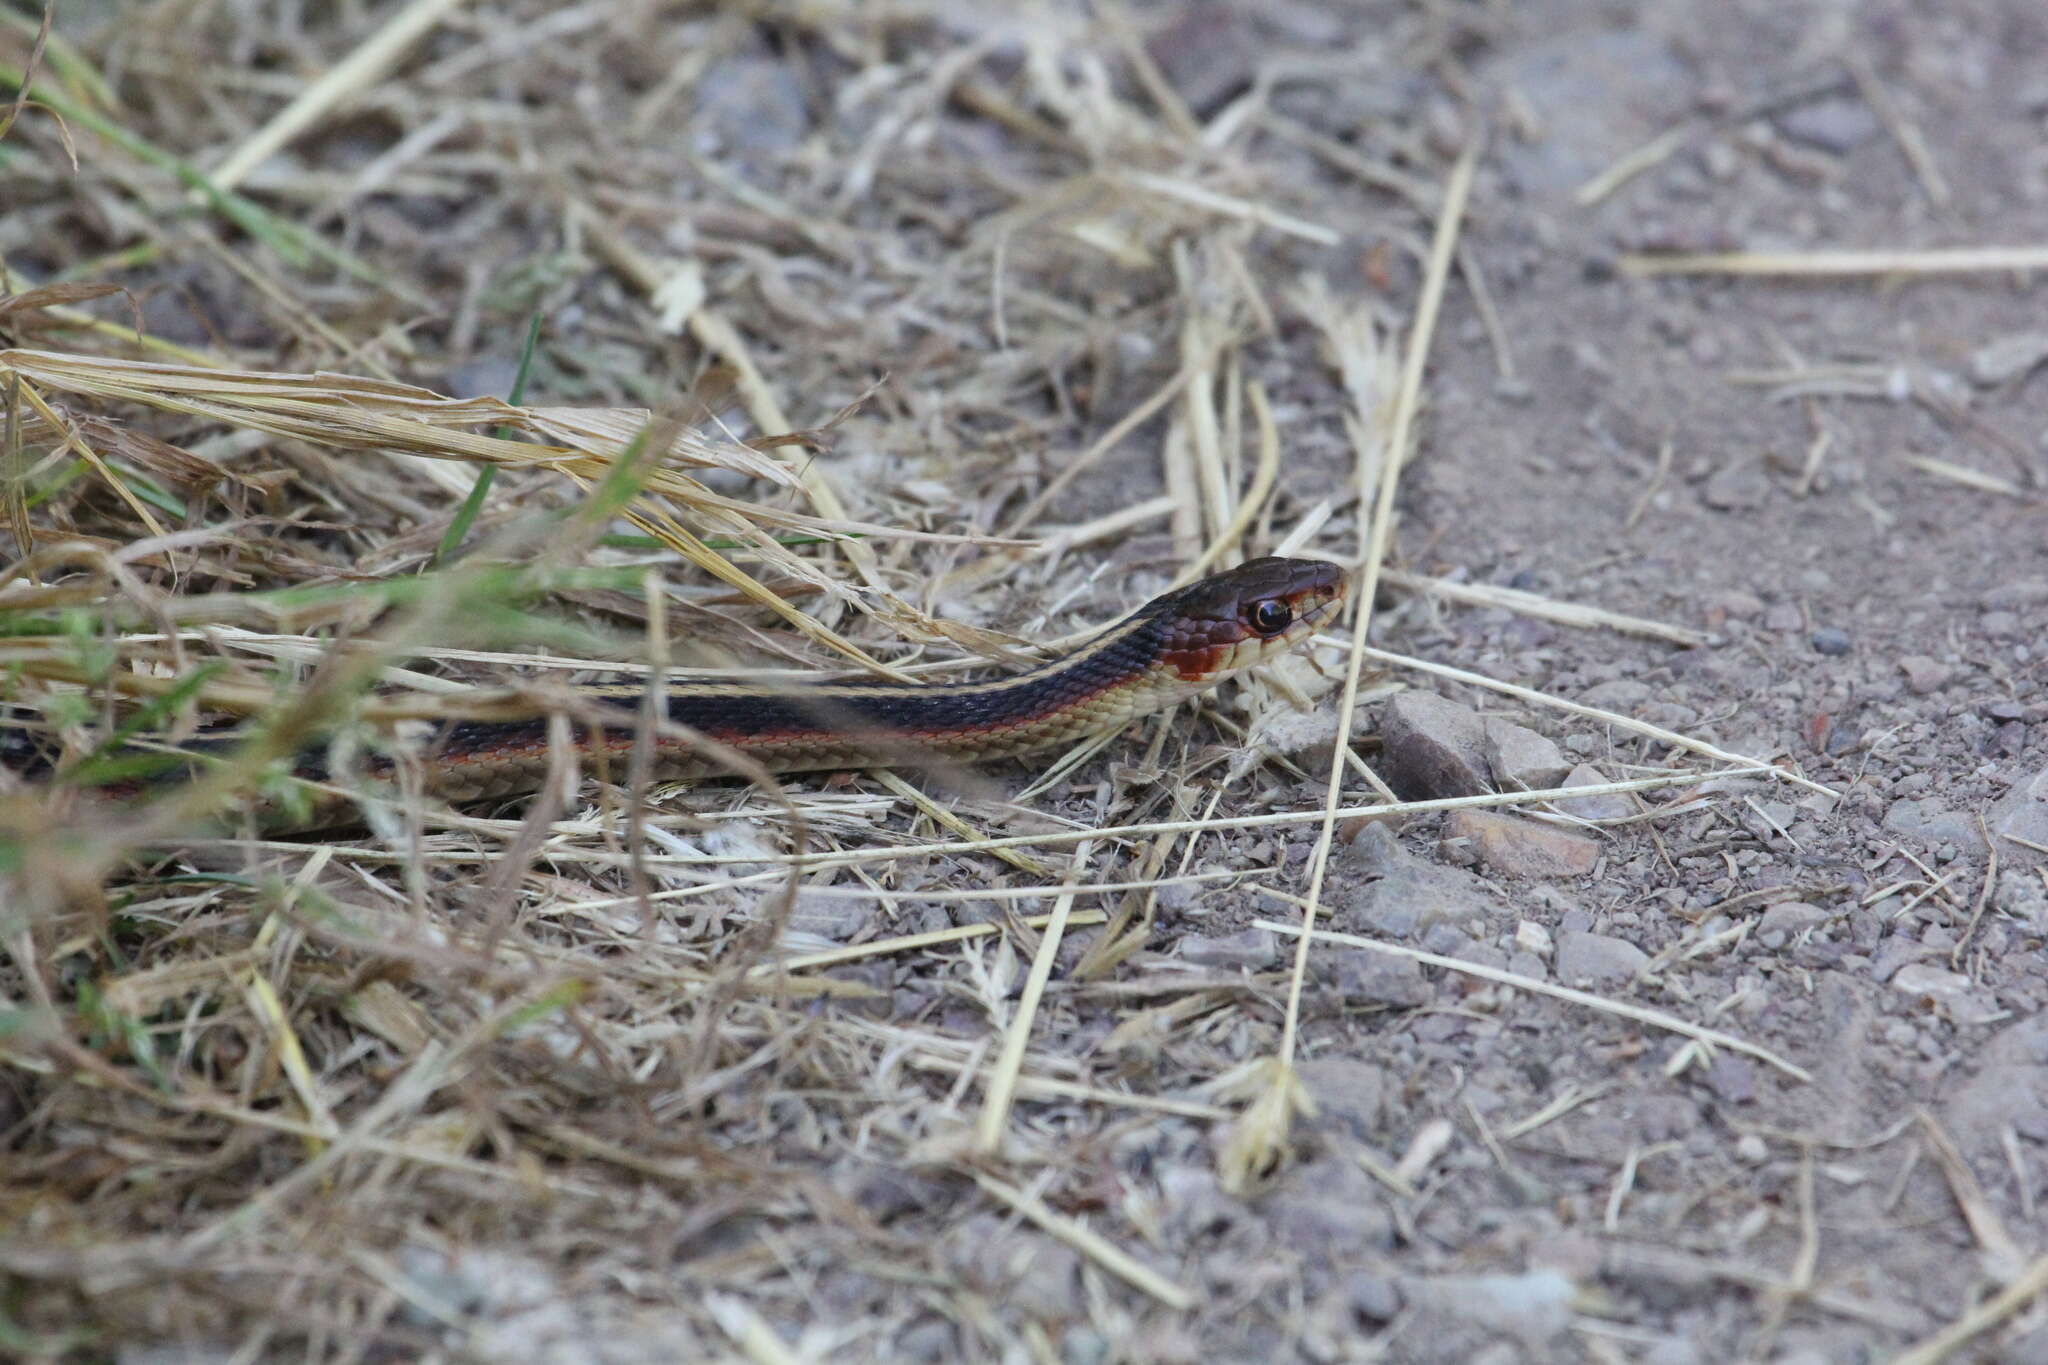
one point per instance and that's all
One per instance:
(481, 1080)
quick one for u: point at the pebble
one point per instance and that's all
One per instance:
(1785, 616)
(837, 918)
(1589, 959)
(1330, 1210)
(484, 377)
(1364, 977)
(2000, 625)
(1031, 1272)
(1614, 806)
(1836, 123)
(1931, 824)
(1783, 921)
(1374, 1298)
(1923, 674)
(1590, 92)
(1521, 759)
(2007, 358)
(752, 102)
(1533, 1307)
(1618, 694)
(2021, 813)
(1831, 641)
(1432, 747)
(1740, 487)
(1518, 847)
(931, 1339)
(1674, 1351)
(1732, 1079)
(1349, 1092)
(1376, 884)
(1895, 953)
(1734, 606)
(1207, 55)
(2023, 592)
(1307, 737)
(1955, 995)
(1248, 950)
(1532, 937)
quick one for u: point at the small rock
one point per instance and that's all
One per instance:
(1895, 953)
(888, 1192)
(1374, 1298)
(1247, 951)
(1446, 940)
(1734, 606)
(1752, 1150)
(1785, 616)
(1364, 977)
(1432, 747)
(1999, 625)
(1377, 885)
(1614, 806)
(1739, 487)
(1620, 695)
(1787, 919)
(1958, 997)
(1304, 735)
(2008, 357)
(752, 102)
(2022, 813)
(1836, 123)
(1534, 1307)
(2023, 592)
(483, 377)
(1521, 759)
(837, 918)
(1831, 641)
(1349, 1093)
(1923, 674)
(1532, 937)
(1195, 1202)
(1330, 1210)
(1023, 1267)
(1519, 847)
(1674, 1351)
(1931, 824)
(1590, 92)
(1588, 959)
(930, 1338)
(1732, 1078)
(1207, 55)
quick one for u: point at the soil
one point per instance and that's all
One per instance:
(1487, 1175)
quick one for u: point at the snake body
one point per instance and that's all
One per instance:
(1173, 647)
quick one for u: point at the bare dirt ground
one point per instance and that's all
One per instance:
(511, 1087)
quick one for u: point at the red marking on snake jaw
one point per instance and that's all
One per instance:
(1196, 663)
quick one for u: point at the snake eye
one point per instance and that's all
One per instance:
(1270, 617)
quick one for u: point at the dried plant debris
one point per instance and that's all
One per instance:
(1621, 938)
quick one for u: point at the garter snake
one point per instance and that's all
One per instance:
(1175, 646)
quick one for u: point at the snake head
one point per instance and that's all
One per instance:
(1243, 616)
